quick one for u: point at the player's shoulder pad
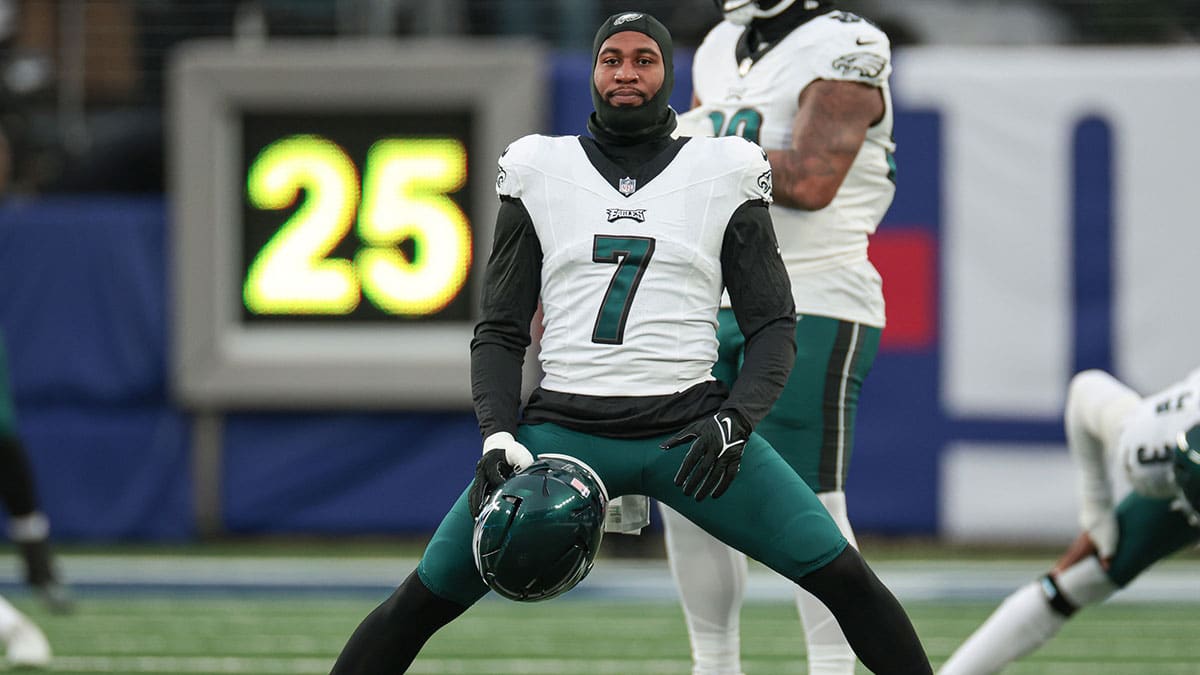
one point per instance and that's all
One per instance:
(722, 33)
(747, 159)
(521, 157)
(524, 149)
(853, 49)
(734, 150)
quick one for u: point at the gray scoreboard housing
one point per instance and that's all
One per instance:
(221, 361)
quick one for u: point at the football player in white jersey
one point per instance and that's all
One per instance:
(628, 239)
(25, 645)
(1120, 442)
(810, 85)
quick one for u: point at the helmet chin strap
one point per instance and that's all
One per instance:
(742, 12)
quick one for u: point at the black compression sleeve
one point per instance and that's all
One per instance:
(390, 637)
(871, 618)
(512, 283)
(762, 302)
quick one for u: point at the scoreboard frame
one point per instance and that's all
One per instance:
(219, 359)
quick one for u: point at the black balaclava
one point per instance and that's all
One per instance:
(633, 124)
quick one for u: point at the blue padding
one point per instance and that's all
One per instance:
(112, 473)
(83, 299)
(345, 473)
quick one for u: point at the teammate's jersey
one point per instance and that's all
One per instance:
(826, 250)
(630, 283)
(1150, 434)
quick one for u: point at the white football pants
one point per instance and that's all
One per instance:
(711, 579)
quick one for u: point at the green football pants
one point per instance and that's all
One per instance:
(1149, 531)
(812, 423)
(768, 512)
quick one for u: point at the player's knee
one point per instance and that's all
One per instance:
(414, 605)
(846, 575)
(1082, 387)
(1082, 585)
(1088, 378)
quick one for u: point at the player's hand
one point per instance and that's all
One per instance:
(1089, 543)
(712, 461)
(503, 456)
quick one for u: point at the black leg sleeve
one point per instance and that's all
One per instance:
(871, 618)
(16, 478)
(389, 638)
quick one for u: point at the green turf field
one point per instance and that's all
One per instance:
(273, 634)
(270, 610)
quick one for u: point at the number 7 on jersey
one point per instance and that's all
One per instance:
(631, 255)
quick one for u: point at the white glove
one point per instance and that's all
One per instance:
(502, 457)
(517, 455)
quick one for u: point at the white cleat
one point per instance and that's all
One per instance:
(27, 646)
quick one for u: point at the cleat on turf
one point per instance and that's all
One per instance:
(26, 646)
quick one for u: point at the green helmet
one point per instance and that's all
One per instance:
(539, 531)
(1187, 470)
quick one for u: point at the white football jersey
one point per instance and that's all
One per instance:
(825, 251)
(631, 283)
(1150, 435)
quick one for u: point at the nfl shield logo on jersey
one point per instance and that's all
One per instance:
(626, 186)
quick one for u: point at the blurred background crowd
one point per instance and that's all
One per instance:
(81, 81)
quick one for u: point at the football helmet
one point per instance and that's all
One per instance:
(1187, 471)
(742, 12)
(539, 531)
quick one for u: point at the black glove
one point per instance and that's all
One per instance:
(490, 471)
(712, 461)
(502, 457)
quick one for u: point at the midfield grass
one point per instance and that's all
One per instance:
(190, 633)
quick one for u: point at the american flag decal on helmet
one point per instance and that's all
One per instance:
(583, 489)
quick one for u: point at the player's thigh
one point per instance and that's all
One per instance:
(448, 565)
(768, 512)
(730, 349)
(1149, 531)
(812, 424)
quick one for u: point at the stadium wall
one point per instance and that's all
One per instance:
(1043, 223)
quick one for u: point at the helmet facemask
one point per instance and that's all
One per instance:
(743, 12)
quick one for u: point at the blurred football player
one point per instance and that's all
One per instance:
(28, 527)
(628, 238)
(25, 645)
(810, 85)
(1119, 442)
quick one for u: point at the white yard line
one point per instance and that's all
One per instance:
(303, 666)
(616, 579)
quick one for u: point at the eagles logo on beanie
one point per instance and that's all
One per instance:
(654, 113)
